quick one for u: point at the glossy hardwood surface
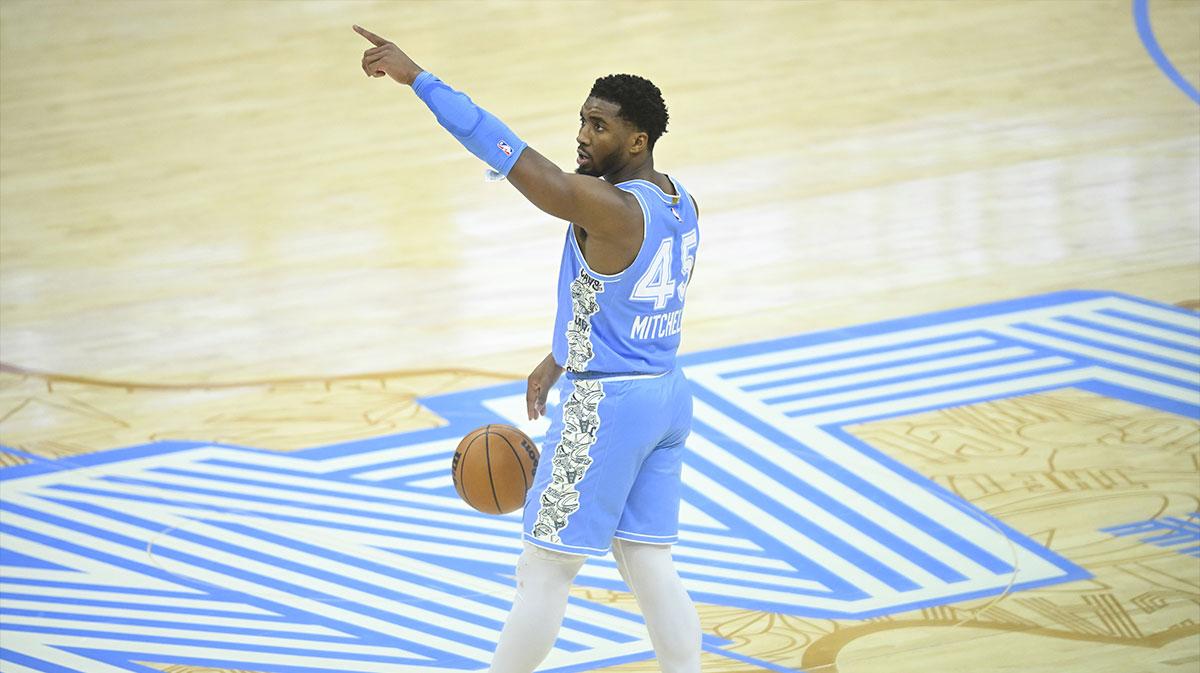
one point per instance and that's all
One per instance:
(206, 192)
(214, 227)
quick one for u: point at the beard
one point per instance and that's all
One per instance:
(593, 168)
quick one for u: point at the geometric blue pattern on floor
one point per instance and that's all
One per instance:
(360, 556)
(1171, 532)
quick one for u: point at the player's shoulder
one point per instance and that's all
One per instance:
(652, 192)
(679, 196)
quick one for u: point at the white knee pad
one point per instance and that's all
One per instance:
(547, 569)
(553, 556)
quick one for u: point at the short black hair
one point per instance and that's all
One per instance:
(641, 102)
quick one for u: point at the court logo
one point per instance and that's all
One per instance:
(360, 557)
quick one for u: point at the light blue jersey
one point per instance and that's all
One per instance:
(629, 322)
(611, 462)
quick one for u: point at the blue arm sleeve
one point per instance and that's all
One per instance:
(478, 130)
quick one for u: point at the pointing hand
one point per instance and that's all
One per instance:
(385, 58)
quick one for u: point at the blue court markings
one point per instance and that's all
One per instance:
(984, 385)
(1182, 535)
(1141, 18)
(268, 566)
(894, 362)
(355, 557)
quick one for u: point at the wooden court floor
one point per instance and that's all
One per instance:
(213, 228)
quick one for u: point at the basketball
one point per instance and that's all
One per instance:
(493, 468)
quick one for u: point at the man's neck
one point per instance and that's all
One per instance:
(643, 171)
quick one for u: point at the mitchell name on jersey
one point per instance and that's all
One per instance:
(657, 326)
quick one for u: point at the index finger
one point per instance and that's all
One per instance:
(375, 39)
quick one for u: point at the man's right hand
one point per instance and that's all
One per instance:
(385, 58)
(543, 378)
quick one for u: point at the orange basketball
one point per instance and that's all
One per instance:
(493, 468)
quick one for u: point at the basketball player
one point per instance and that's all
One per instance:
(609, 475)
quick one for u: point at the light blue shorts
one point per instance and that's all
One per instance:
(611, 463)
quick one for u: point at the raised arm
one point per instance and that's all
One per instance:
(595, 205)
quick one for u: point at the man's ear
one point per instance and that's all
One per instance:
(640, 142)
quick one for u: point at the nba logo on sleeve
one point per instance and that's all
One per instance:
(504, 148)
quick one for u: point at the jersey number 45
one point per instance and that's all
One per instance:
(657, 284)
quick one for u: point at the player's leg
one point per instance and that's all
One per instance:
(643, 553)
(543, 583)
(648, 526)
(670, 615)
